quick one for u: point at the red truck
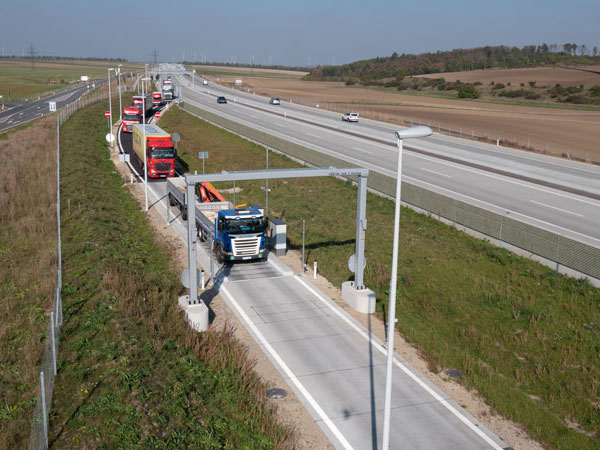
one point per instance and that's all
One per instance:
(143, 102)
(131, 116)
(157, 98)
(160, 155)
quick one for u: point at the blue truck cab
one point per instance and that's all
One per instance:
(240, 234)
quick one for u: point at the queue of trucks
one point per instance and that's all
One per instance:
(239, 233)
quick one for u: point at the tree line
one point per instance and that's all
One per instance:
(458, 60)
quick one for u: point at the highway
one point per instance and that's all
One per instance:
(564, 197)
(25, 112)
(334, 365)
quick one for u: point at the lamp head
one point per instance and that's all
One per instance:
(414, 132)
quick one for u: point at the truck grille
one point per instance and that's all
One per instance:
(162, 167)
(245, 246)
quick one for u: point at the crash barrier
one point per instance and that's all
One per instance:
(559, 249)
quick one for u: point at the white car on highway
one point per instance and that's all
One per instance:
(275, 101)
(350, 117)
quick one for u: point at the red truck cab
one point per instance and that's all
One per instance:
(131, 116)
(156, 98)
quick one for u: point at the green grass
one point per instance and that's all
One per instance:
(524, 336)
(131, 373)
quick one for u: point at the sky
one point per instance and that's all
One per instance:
(287, 32)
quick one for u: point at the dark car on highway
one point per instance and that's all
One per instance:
(221, 100)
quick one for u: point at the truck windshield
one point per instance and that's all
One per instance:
(131, 117)
(243, 226)
(162, 153)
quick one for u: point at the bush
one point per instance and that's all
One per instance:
(517, 93)
(532, 83)
(350, 82)
(498, 86)
(468, 91)
(595, 90)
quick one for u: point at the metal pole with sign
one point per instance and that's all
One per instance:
(110, 106)
(202, 156)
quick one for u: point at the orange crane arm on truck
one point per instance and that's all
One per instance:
(208, 193)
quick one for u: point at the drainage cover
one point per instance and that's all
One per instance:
(455, 373)
(276, 393)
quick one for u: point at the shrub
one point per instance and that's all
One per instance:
(532, 83)
(595, 90)
(498, 86)
(350, 82)
(468, 91)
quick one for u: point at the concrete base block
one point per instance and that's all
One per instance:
(362, 300)
(196, 315)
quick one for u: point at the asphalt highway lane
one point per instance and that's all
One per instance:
(557, 210)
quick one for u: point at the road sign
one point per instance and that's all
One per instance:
(106, 113)
(157, 114)
(124, 157)
(352, 263)
(202, 155)
(52, 106)
(175, 137)
(185, 278)
(110, 138)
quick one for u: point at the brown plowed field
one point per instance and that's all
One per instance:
(543, 76)
(577, 131)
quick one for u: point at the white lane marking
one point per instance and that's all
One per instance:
(291, 377)
(402, 367)
(498, 177)
(554, 207)
(551, 225)
(314, 135)
(228, 280)
(437, 173)
(362, 150)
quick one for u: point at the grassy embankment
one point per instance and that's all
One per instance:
(130, 374)
(28, 275)
(525, 337)
(21, 79)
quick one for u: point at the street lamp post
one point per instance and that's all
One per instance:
(110, 106)
(408, 133)
(144, 131)
(120, 103)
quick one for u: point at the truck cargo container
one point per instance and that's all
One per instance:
(144, 102)
(160, 155)
(239, 233)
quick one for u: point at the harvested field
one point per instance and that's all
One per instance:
(290, 73)
(548, 76)
(559, 129)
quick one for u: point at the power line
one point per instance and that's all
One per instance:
(155, 55)
(32, 53)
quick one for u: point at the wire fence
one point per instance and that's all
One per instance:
(38, 436)
(561, 250)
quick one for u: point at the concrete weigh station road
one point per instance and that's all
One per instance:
(557, 195)
(335, 366)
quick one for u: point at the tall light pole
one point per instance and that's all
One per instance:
(110, 106)
(144, 132)
(120, 104)
(408, 133)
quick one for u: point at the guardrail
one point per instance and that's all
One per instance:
(559, 249)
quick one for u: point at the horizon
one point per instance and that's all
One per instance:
(299, 34)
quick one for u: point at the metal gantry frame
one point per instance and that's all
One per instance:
(361, 210)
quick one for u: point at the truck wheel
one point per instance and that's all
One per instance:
(219, 253)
